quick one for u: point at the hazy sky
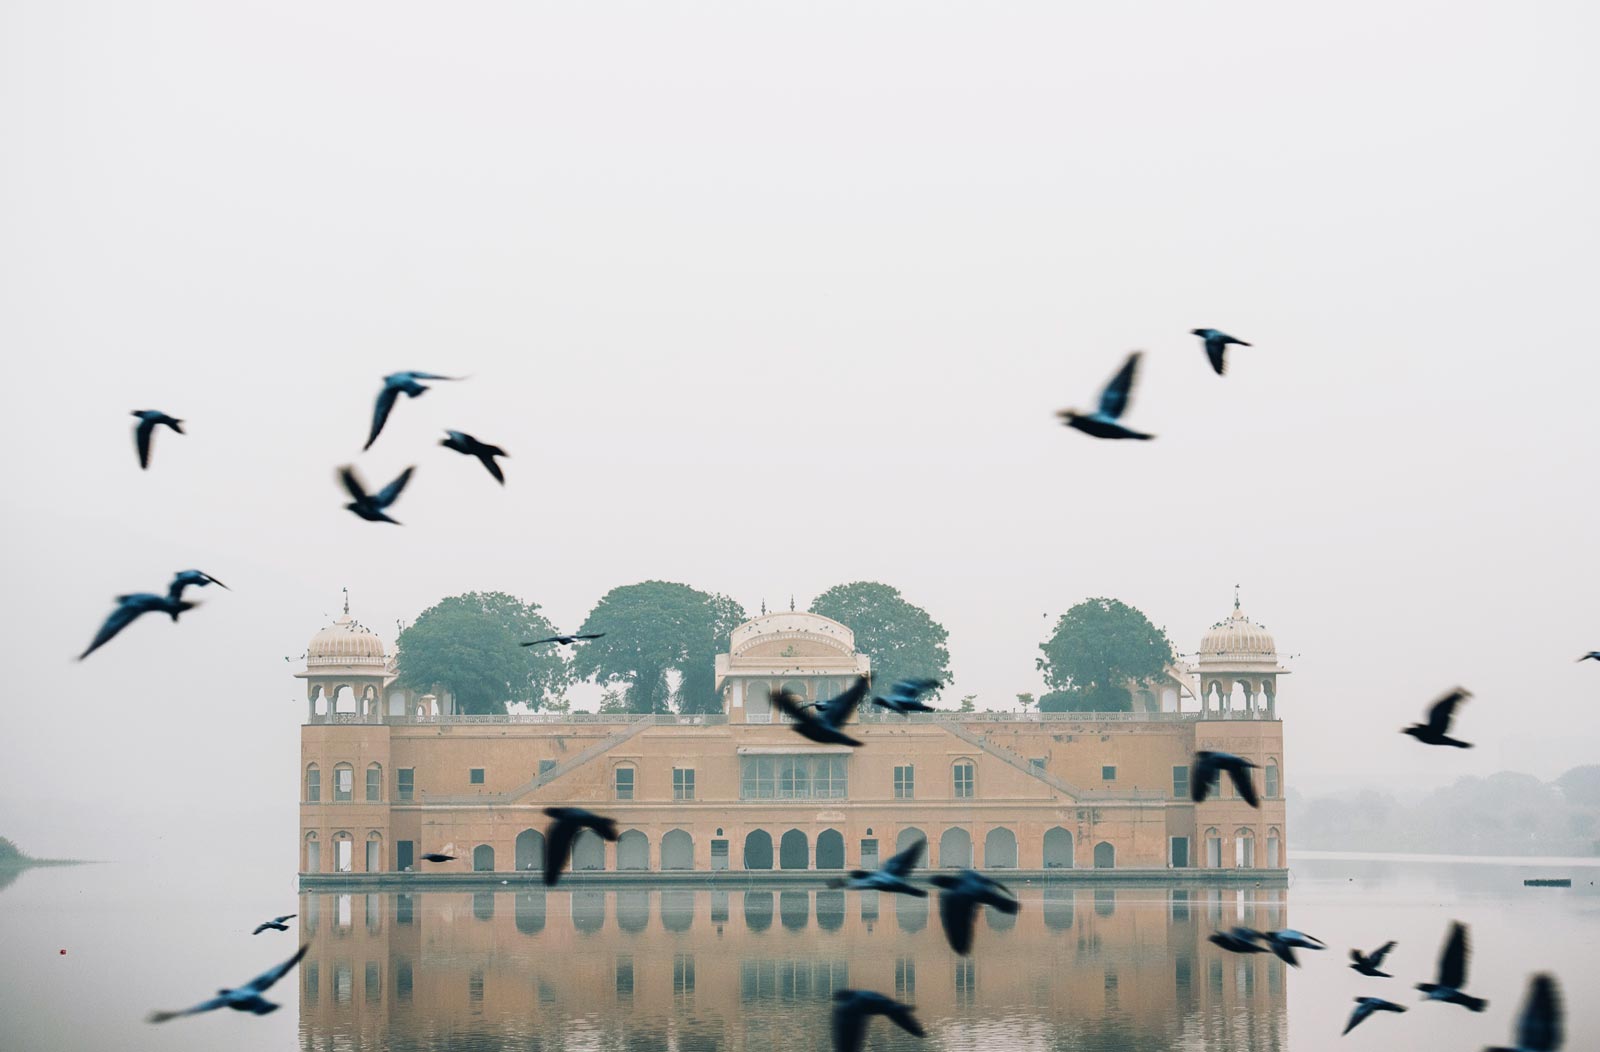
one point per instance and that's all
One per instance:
(767, 297)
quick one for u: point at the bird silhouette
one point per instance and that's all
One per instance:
(145, 428)
(394, 385)
(1365, 1006)
(462, 442)
(1437, 730)
(823, 726)
(558, 838)
(565, 641)
(1103, 422)
(1593, 655)
(1453, 973)
(1206, 772)
(129, 609)
(246, 998)
(374, 507)
(1239, 940)
(1539, 1027)
(191, 579)
(905, 697)
(1283, 943)
(275, 924)
(891, 876)
(959, 898)
(853, 1008)
(434, 856)
(1370, 963)
(1216, 342)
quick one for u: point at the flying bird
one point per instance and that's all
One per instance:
(565, 641)
(191, 579)
(959, 899)
(558, 838)
(1285, 942)
(462, 442)
(891, 876)
(830, 715)
(129, 609)
(1238, 940)
(1593, 655)
(275, 924)
(1437, 730)
(246, 998)
(434, 856)
(851, 1010)
(394, 385)
(905, 697)
(1370, 963)
(1539, 1026)
(1102, 423)
(1453, 973)
(1206, 772)
(1216, 343)
(1365, 1006)
(148, 419)
(374, 507)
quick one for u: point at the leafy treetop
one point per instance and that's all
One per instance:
(1097, 647)
(468, 645)
(900, 638)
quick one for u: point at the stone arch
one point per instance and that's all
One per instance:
(1105, 855)
(677, 850)
(633, 851)
(910, 912)
(588, 911)
(483, 905)
(530, 851)
(830, 910)
(1058, 848)
(757, 701)
(313, 860)
(907, 836)
(758, 849)
(343, 852)
(483, 859)
(1000, 849)
(344, 700)
(794, 909)
(1274, 848)
(588, 851)
(321, 703)
(1244, 848)
(794, 851)
(633, 909)
(757, 910)
(1058, 906)
(374, 860)
(955, 848)
(677, 906)
(830, 849)
(1213, 848)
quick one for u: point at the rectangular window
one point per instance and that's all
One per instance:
(792, 777)
(1272, 782)
(405, 854)
(344, 783)
(374, 784)
(829, 782)
(1108, 772)
(1178, 855)
(683, 783)
(545, 767)
(869, 853)
(313, 786)
(719, 855)
(405, 782)
(1180, 782)
(905, 782)
(964, 777)
(625, 784)
(475, 776)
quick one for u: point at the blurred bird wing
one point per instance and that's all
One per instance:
(204, 1006)
(390, 493)
(1216, 349)
(1203, 776)
(957, 913)
(1453, 961)
(849, 1027)
(1539, 1026)
(901, 1014)
(838, 711)
(286, 916)
(789, 706)
(1440, 714)
(487, 460)
(1244, 784)
(264, 981)
(536, 642)
(120, 618)
(352, 484)
(1380, 953)
(1364, 1008)
(430, 376)
(559, 846)
(141, 440)
(1114, 398)
(381, 409)
(263, 926)
(589, 635)
(905, 861)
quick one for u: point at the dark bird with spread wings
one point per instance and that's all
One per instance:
(905, 697)
(569, 821)
(891, 876)
(565, 641)
(1453, 973)
(1539, 1027)
(462, 442)
(275, 924)
(1238, 940)
(829, 716)
(851, 1010)
(129, 609)
(145, 428)
(191, 579)
(395, 385)
(1104, 421)
(1437, 730)
(246, 998)
(1207, 770)
(1286, 941)
(1593, 655)
(1216, 344)
(374, 507)
(434, 856)
(1365, 1006)
(1370, 963)
(959, 898)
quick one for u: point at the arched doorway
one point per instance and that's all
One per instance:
(955, 848)
(794, 851)
(908, 836)
(1058, 849)
(1244, 849)
(830, 849)
(530, 850)
(483, 859)
(588, 851)
(633, 851)
(677, 850)
(758, 849)
(1000, 849)
(1105, 856)
(758, 910)
(794, 909)
(530, 911)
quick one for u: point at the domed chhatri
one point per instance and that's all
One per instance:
(1239, 652)
(347, 644)
(1238, 639)
(345, 662)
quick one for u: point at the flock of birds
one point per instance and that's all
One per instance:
(1539, 1026)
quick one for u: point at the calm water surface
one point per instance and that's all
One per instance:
(1091, 968)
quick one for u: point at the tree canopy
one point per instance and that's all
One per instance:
(1096, 648)
(654, 628)
(468, 645)
(900, 638)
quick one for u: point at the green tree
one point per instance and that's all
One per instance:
(1026, 701)
(1098, 647)
(654, 628)
(468, 645)
(900, 638)
(969, 703)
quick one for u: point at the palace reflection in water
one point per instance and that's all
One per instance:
(696, 969)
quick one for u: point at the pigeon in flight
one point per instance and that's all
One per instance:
(129, 608)
(246, 998)
(565, 641)
(851, 1008)
(905, 697)
(831, 715)
(1238, 940)
(374, 507)
(1216, 343)
(394, 385)
(1206, 772)
(891, 876)
(1539, 1025)
(1102, 423)
(1365, 1006)
(1285, 942)
(1370, 963)
(959, 899)
(1593, 655)
(148, 419)
(1437, 730)
(1453, 973)
(275, 924)
(191, 578)
(434, 856)
(558, 838)
(462, 442)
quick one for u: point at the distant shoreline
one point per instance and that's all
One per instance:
(1588, 862)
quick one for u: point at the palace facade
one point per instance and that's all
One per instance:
(387, 775)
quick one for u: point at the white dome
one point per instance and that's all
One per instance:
(1236, 640)
(346, 644)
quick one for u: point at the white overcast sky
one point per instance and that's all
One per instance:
(767, 297)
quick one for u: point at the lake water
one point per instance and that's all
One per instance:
(1081, 967)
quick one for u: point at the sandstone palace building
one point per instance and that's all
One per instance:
(387, 774)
